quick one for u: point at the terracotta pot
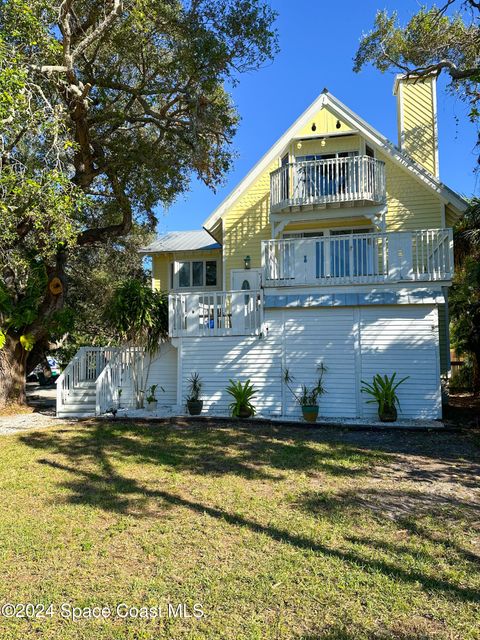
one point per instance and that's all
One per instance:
(310, 412)
(194, 407)
(389, 414)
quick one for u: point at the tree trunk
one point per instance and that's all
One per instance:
(476, 373)
(13, 362)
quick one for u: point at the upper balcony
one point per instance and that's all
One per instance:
(352, 180)
(359, 258)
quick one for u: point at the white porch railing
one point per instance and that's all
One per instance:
(424, 255)
(334, 180)
(219, 313)
(113, 378)
(86, 366)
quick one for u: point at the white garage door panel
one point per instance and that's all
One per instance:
(403, 339)
(322, 335)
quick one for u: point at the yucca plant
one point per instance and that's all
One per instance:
(194, 387)
(242, 394)
(383, 392)
(194, 404)
(308, 396)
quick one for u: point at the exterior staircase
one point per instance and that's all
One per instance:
(80, 402)
(89, 385)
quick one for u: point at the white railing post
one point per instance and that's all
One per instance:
(192, 312)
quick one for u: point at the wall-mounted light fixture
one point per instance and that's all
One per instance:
(247, 262)
(323, 142)
(299, 145)
(314, 127)
(339, 124)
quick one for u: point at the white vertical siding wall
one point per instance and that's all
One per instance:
(163, 372)
(240, 358)
(321, 335)
(353, 342)
(403, 339)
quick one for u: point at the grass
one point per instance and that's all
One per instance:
(277, 533)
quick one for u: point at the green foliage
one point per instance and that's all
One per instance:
(431, 41)
(139, 314)
(106, 113)
(194, 388)
(308, 396)
(462, 378)
(383, 391)
(242, 395)
(3, 338)
(151, 391)
(27, 341)
(19, 309)
(464, 294)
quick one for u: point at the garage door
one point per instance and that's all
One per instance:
(322, 335)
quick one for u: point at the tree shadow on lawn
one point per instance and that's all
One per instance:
(253, 453)
(114, 492)
(95, 452)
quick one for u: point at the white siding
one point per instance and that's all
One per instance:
(321, 335)
(163, 372)
(403, 339)
(353, 342)
(240, 358)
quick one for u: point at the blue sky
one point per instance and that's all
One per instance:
(318, 40)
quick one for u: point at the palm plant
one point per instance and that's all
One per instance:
(242, 394)
(383, 392)
(140, 317)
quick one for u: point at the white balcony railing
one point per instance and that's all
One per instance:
(361, 258)
(334, 180)
(218, 313)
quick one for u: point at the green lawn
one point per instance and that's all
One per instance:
(276, 532)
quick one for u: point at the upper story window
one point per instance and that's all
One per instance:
(193, 273)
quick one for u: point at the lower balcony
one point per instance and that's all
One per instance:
(364, 258)
(218, 313)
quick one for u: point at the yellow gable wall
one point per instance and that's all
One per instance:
(247, 223)
(411, 205)
(331, 145)
(161, 261)
(326, 122)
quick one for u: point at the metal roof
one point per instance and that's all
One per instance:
(182, 241)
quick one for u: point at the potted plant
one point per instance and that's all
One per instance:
(308, 398)
(383, 392)
(151, 398)
(242, 394)
(194, 404)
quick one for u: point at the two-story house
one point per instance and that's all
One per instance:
(336, 248)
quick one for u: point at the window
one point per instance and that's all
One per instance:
(195, 273)
(211, 273)
(184, 274)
